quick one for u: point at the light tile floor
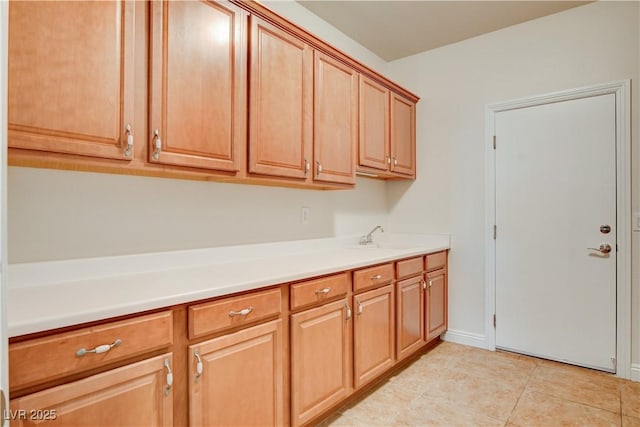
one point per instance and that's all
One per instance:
(455, 385)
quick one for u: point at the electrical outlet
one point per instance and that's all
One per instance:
(306, 214)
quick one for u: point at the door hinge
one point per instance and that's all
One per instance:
(494, 321)
(494, 142)
(495, 232)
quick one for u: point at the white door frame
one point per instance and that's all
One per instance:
(621, 89)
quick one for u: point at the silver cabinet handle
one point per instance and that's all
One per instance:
(99, 349)
(324, 291)
(376, 277)
(307, 167)
(359, 312)
(199, 366)
(242, 312)
(167, 389)
(395, 162)
(388, 160)
(430, 283)
(348, 310)
(424, 284)
(604, 248)
(157, 144)
(319, 167)
(129, 148)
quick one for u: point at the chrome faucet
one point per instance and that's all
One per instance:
(367, 239)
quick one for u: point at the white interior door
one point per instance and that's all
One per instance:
(555, 188)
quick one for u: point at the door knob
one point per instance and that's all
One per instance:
(604, 248)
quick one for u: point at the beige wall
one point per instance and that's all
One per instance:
(60, 214)
(587, 45)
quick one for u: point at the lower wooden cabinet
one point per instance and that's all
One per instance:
(139, 394)
(338, 334)
(410, 303)
(237, 379)
(373, 334)
(320, 359)
(436, 303)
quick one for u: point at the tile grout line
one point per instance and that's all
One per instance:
(521, 393)
(619, 386)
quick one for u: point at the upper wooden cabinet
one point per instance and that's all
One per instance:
(403, 136)
(216, 90)
(71, 77)
(387, 132)
(197, 97)
(335, 120)
(374, 125)
(280, 106)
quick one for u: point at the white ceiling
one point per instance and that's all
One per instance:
(395, 29)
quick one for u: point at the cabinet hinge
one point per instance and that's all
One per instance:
(495, 232)
(494, 321)
(494, 142)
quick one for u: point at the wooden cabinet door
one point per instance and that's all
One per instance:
(197, 92)
(403, 135)
(134, 395)
(281, 102)
(320, 359)
(241, 380)
(335, 120)
(71, 77)
(374, 125)
(436, 302)
(410, 316)
(373, 334)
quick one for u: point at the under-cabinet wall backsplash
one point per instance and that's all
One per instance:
(60, 214)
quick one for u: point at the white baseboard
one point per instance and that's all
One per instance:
(635, 372)
(466, 338)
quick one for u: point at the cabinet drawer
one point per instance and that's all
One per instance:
(319, 290)
(228, 313)
(372, 276)
(409, 267)
(435, 261)
(56, 356)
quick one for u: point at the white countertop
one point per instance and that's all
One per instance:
(55, 294)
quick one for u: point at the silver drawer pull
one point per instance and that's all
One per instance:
(242, 312)
(348, 310)
(430, 284)
(376, 277)
(99, 349)
(359, 311)
(323, 291)
(167, 389)
(424, 284)
(198, 364)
